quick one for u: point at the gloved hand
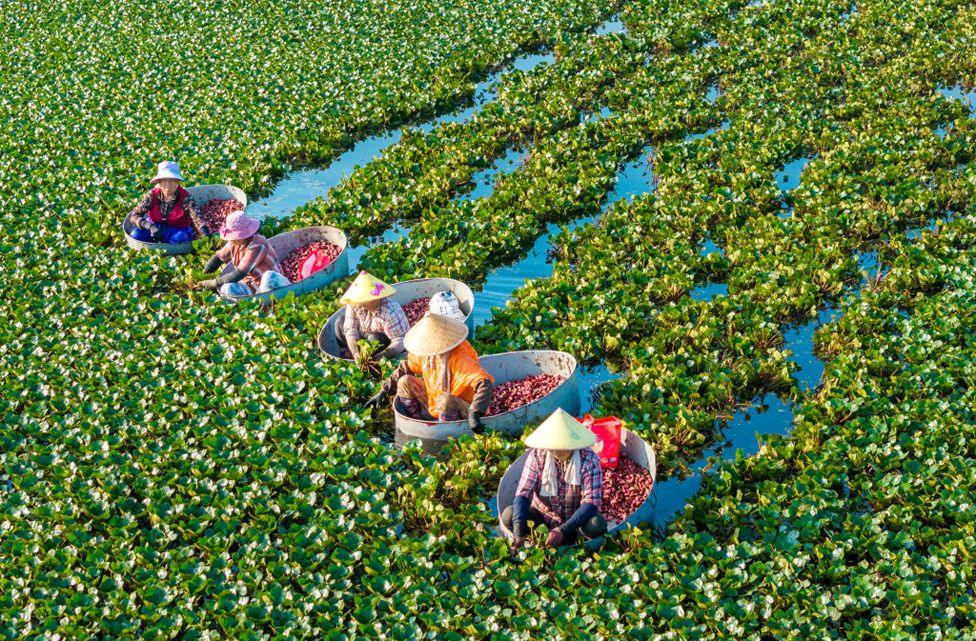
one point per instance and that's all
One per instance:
(474, 422)
(376, 400)
(555, 538)
(205, 284)
(155, 232)
(204, 231)
(386, 353)
(518, 542)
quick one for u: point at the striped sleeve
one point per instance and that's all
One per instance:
(531, 475)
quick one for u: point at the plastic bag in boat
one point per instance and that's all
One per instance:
(446, 304)
(607, 430)
(316, 260)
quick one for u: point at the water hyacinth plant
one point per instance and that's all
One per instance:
(171, 467)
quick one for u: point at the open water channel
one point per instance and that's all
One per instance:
(768, 415)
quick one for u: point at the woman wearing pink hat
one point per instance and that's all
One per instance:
(256, 265)
(167, 213)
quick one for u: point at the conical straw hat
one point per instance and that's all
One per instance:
(561, 432)
(365, 288)
(434, 334)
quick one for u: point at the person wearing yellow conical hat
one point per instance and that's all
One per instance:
(561, 485)
(441, 378)
(371, 314)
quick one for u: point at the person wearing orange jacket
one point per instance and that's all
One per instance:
(441, 379)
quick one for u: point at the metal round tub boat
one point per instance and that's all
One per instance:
(202, 194)
(504, 367)
(289, 241)
(632, 446)
(406, 292)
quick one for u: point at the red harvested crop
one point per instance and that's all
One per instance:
(216, 210)
(514, 394)
(291, 265)
(624, 489)
(416, 309)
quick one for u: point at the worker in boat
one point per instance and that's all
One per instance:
(256, 265)
(561, 485)
(370, 313)
(441, 379)
(167, 213)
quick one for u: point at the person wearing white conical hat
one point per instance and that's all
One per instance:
(370, 313)
(561, 485)
(167, 213)
(441, 379)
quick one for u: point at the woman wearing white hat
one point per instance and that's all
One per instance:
(256, 265)
(370, 313)
(441, 378)
(167, 213)
(561, 484)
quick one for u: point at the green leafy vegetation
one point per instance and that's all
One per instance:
(174, 467)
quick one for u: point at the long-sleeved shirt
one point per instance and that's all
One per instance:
(469, 381)
(140, 218)
(250, 261)
(556, 510)
(388, 318)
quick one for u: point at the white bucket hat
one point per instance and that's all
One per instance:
(167, 169)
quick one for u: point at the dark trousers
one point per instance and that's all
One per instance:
(167, 234)
(592, 528)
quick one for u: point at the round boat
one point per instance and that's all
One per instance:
(202, 194)
(504, 367)
(289, 241)
(406, 292)
(632, 446)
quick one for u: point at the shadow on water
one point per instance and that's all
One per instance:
(772, 416)
(788, 178)
(708, 132)
(484, 180)
(303, 186)
(709, 247)
(391, 235)
(867, 262)
(769, 415)
(591, 380)
(960, 93)
(634, 178)
(799, 340)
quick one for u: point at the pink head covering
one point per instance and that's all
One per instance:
(239, 226)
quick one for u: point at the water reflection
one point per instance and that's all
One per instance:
(303, 186)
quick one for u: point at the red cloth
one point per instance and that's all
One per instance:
(177, 216)
(607, 431)
(316, 260)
